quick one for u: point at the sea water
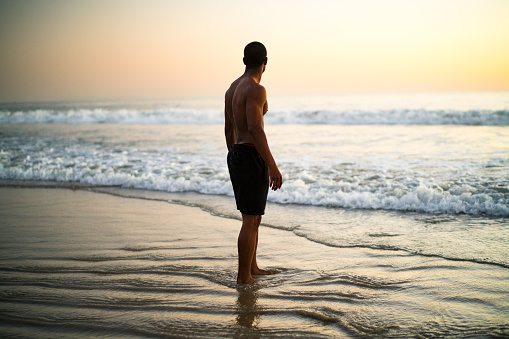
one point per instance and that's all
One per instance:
(434, 167)
(420, 175)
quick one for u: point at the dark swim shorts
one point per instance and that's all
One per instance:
(250, 178)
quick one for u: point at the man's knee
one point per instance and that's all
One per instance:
(252, 220)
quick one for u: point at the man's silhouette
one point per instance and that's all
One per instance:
(250, 162)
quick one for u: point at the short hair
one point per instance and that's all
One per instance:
(254, 54)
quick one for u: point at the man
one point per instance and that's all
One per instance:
(250, 162)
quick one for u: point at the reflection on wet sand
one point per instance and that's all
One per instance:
(247, 309)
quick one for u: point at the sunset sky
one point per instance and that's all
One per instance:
(69, 50)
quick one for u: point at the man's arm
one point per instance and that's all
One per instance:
(254, 114)
(229, 129)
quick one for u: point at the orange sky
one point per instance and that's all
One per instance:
(68, 50)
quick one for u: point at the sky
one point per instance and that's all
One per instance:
(126, 49)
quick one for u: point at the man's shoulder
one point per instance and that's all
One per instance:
(246, 88)
(256, 87)
(256, 91)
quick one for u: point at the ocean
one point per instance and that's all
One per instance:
(425, 175)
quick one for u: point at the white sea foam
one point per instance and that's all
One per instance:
(103, 115)
(173, 172)
(379, 196)
(392, 117)
(289, 116)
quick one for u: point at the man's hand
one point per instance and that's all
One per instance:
(275, 177)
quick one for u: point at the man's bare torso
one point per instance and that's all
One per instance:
(240, 91)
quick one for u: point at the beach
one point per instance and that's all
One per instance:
(387, 121)
(93, 264)
(118, 219)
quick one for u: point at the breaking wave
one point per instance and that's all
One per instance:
(215, 116)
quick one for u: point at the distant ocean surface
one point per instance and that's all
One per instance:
(434, 166)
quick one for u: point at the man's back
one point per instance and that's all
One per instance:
(243, 97)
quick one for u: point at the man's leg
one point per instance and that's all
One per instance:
(254, 265)
(247, 243)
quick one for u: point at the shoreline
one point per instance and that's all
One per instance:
(223, 206)
(72, 259)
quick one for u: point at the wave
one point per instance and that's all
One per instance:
(374, 195)
(394, 117)
(120, 116)
(377, 195)
(177, 115)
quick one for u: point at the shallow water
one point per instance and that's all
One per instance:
(405, 196)
(86, 264)
(433, 196)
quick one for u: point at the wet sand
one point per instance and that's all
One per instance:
(86, 264)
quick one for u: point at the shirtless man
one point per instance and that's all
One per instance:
(250, 162)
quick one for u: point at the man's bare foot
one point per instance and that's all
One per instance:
(248, 281)
(259, 271)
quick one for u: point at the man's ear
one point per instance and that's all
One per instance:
(266, 59)
(244, 60)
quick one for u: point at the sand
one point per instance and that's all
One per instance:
(88, 264)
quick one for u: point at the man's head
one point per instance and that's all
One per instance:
(255, 55)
